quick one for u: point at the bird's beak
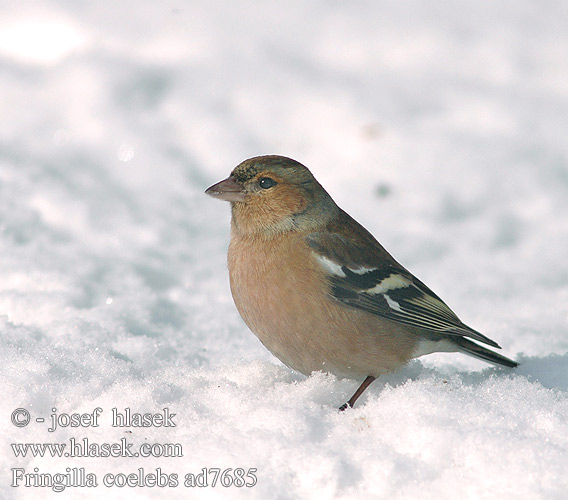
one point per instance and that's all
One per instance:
(228, 190)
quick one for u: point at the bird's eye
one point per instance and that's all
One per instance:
(266, 182)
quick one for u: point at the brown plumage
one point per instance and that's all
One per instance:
(316, 287)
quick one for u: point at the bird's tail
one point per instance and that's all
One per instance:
(470, 348)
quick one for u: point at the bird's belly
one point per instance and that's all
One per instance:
(304, 327)
(289, 329)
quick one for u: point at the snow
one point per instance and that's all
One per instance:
(441, 126)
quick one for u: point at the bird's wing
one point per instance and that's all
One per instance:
(368, 278)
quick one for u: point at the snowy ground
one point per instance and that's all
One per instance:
(441, 126)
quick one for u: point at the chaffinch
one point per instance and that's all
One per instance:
(319, 291)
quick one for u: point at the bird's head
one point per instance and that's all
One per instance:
(274, 194)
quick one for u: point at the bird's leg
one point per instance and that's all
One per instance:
(366, 383)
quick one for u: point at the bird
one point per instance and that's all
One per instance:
(319, 291)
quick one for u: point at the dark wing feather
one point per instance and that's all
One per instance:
(365, 276)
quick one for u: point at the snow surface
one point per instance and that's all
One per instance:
(439, 125)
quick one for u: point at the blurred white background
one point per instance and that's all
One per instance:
(441, 126)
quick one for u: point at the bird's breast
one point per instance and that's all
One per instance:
(275, 292)
(282, 294)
